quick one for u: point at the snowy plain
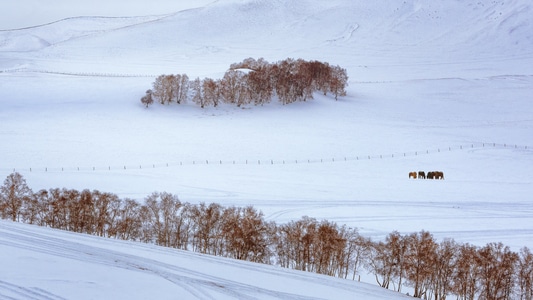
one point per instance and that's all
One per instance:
(442, 85)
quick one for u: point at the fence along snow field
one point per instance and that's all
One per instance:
(220, 162)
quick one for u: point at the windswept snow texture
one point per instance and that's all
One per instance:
(434, 85)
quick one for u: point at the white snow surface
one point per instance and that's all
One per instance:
(440, 85)
(40, 263)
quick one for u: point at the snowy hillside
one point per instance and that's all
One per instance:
(39, 263)
(440, 85)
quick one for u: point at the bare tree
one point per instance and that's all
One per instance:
(294, 246)
(444, 266)
(198, 92)
(147, 99)
(421, 254)
(356, 252)
(398, 246)
(42, 202)
(106, 208)
(164, 88)
(466, 273)
(82, 213)
(338, 81)
(381, 263)
(285, 81)
(181, 88)
(207, 227)
(233, 87)
(163, 213)
(170, 213)
(497, 265)
(13, 194)
(127, 225)
(525, 274)
(245, 234)
(321, 75)
(211, 92)
(259, 85)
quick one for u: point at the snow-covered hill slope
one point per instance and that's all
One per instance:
(440, 85)
(40, 263)
(355, 33)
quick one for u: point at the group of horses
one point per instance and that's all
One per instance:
(430, 175)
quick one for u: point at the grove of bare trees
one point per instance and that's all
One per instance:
(416, 262)
(252, 82)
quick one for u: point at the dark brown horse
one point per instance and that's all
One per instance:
(421, 175)
(435, 175)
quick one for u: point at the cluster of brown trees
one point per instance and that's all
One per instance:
(252, 82)
(430, 269)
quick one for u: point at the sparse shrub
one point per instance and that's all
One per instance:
(147, 99)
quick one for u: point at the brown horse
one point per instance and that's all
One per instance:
(421, 175)
(435, 175)
(412, 174)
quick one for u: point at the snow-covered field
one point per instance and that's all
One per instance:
(433, 86)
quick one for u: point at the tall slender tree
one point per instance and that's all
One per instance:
(13, 194)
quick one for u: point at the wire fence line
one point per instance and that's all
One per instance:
(266, 161)
(81, 74)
